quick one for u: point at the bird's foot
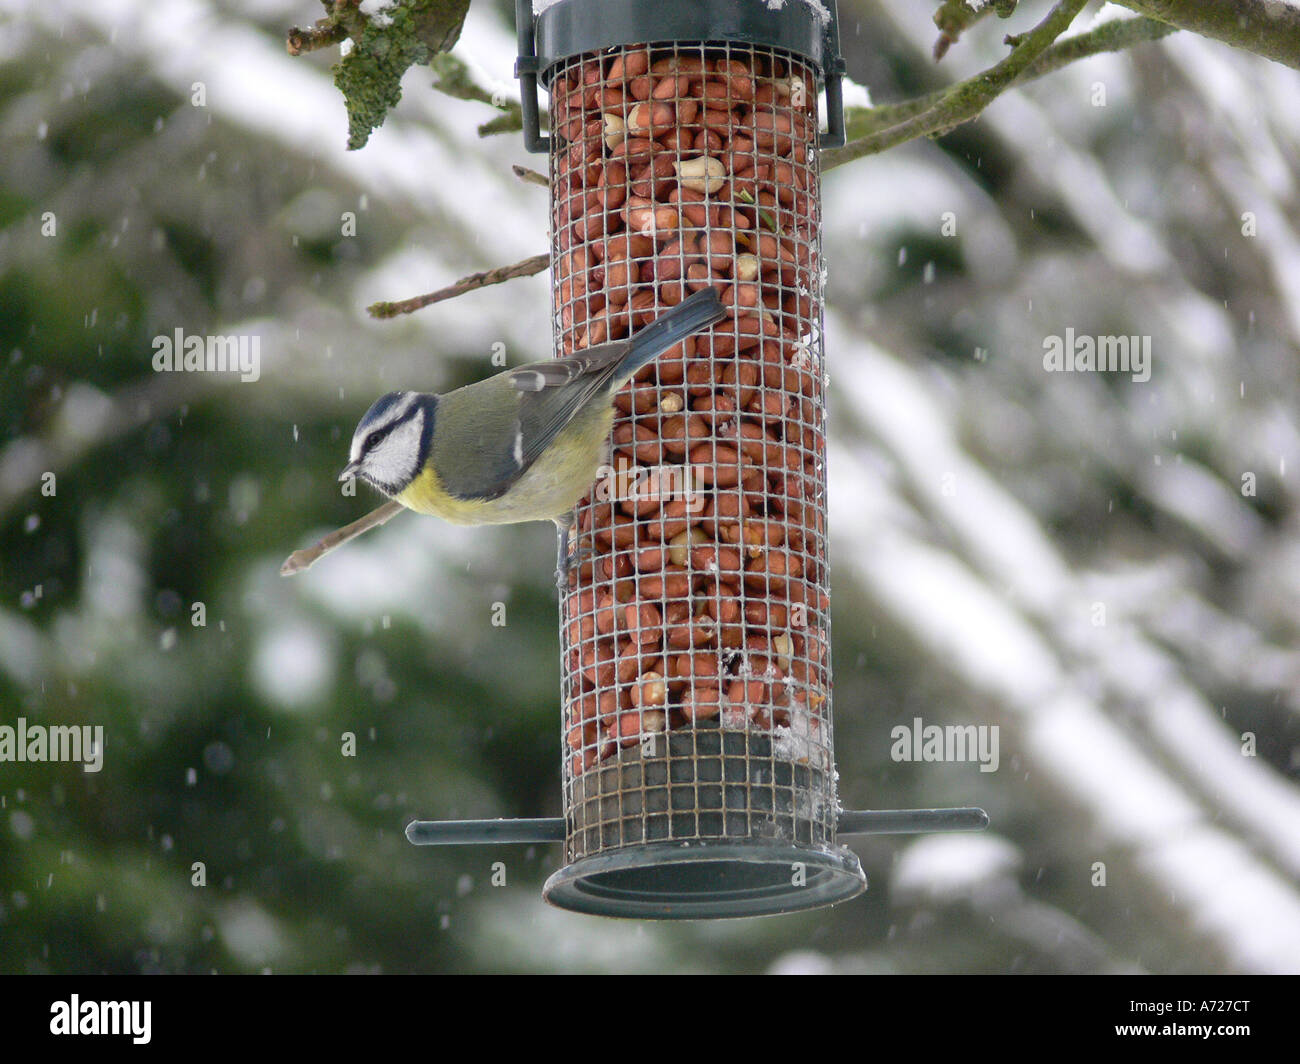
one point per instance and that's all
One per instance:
(567, 554)
(571, 560)
(570, 551)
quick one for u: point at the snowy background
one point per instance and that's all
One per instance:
(1108, 570)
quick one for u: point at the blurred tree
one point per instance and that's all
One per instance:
(1104, 567)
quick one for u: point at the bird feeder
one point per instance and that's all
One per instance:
(699, 772)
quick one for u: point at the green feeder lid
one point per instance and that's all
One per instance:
(566, 28)
(806, 28)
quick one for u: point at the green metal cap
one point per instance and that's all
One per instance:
(806, 28)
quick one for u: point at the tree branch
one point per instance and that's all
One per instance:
(453, 77)
(384, 44)
(1270, 28)
(966, 99)
(324, 33)
(531, 177)
(306, 558)
(526, 268)
(1108, 37)
(954, 17)
(873, 130)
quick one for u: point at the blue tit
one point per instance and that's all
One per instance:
(524, 445)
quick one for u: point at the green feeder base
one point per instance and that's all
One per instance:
(702, 879)
(705, 880)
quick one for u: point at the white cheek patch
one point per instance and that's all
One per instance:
(394, 462)
(389, 416)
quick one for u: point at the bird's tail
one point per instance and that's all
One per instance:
(689, 316)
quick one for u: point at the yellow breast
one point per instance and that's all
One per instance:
(551, 487)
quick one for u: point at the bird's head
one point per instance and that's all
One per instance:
(390, 444)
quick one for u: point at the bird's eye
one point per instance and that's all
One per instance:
(371, 440)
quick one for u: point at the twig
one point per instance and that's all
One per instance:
(965, 100)
(324, 33)
(511, 121)
(526, 268)
(956, 16)
(453, 77)
(861, 122)
(308, 556)
(531, 177)
(1110, 37)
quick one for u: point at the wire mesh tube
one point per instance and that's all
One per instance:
(696, 630)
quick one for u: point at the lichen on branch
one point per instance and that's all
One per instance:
(870, 128)
(370, 75)
(386, 41)
(963, 101)
(1270, 28)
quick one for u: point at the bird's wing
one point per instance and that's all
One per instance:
(507, 438)
(557, 372)
(551, 393)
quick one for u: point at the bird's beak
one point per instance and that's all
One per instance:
(350, 470)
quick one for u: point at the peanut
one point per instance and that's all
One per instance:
(651, 691)
(704, 174)
(672, 176)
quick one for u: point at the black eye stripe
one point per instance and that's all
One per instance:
(380, 415)
(377, 435)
